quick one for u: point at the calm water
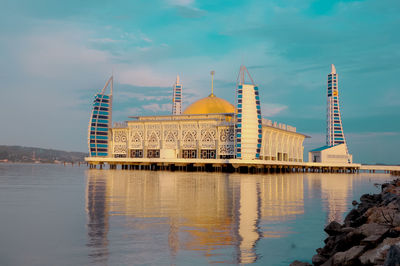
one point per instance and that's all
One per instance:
(56, 215)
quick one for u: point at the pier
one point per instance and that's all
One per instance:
(224, 165)
(389, 169)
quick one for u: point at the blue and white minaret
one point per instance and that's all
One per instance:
(248, 120)
(177, 98)
(100, 122)
(334, 129)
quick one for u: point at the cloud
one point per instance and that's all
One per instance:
(272, 109)
(144, 76)
(190, 12)
(104, 40)
(155, 107)
(181, 2)
(124, 95)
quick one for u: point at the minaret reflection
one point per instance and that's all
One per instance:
(97, 212)
(336, 188)
(248, 219)
(335, 191)
(205, 213)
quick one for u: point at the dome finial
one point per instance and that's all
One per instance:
(212, 83)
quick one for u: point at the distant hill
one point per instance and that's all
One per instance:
(31, 155)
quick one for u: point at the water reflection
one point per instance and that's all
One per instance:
(97, 211)
(335, 189)
(216, 215)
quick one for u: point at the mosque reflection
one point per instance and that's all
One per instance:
(205, 212)
(199, 212)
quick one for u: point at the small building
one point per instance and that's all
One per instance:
(334, 154)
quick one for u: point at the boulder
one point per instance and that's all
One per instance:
(348, 257)
(378, 254)
(368, 201)
(318, 259)
(333, 228)
(347, 229)
(299, 263)
(381, 215)
(396, 220)
(372, 229)
(389, 197)
(393, 256)
(328, 262)
(351, 217)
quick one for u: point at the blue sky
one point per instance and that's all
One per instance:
(57, 54)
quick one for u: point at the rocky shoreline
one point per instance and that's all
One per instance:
(370, 234)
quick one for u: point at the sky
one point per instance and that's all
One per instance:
(55, 55)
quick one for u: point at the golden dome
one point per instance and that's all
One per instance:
(209, 105)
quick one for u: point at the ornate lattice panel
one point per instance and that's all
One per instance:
(136, 136)
(171, 133)
(189, 136)
(120, 141)
(153, 136)
(226, 141)
(208, 136)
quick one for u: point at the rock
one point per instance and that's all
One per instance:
(299, 263)
(329, 238)
(351, 217)
(347, 229)
(340, 242)
(359, 240)
(353, 238)
(348, 257)
(372, 240)
(318, 259)
(396, 220)
(393, 256)
(382, 215)
(328, 262)
(333, 228)
(378, 254)
(368, 201)
(388, 197)
(372, 229)
(396, 203)
(384, 185)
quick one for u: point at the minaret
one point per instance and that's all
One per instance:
(177, 98)
(334, 128)
(248, 123)
(100, 121)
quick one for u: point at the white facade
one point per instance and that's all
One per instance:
(335, 154)
(247, 123)
(209, 136)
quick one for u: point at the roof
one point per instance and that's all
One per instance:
(210, 105)
(322, 148)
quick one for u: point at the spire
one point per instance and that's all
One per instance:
(212, 83)
(241, 79)
(177, 79)
(333, 69)
(110, 82)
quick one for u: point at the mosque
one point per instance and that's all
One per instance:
(208, 130)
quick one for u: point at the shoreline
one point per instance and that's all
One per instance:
(369, 235)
